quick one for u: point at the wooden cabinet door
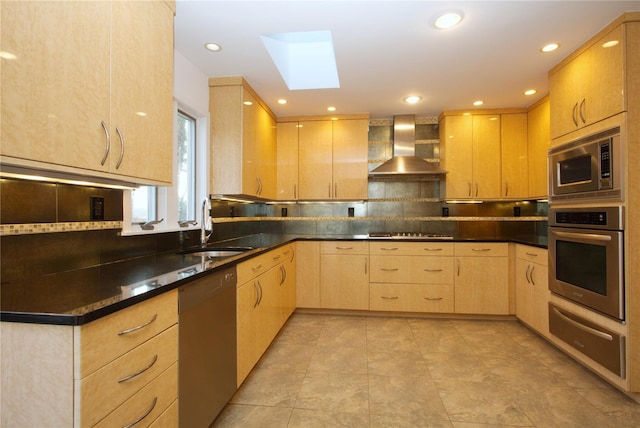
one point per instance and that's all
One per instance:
(564, 87)
(287, 154)
(142, 91)
(486, 157)
(266, 154)
(55, 93)
(538, 139)
(481, 285)
(456, 139)
(308, 274)
(350, 157)
(524, 292)
(514, 156)
(315, 153)
(247, 325)
(250, 179)
(344, 281)
(603, 78)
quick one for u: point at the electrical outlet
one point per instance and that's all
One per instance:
(96, 208)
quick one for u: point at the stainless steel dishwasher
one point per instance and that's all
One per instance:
(207, 352)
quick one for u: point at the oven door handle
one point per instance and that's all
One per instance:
(600, 334)
(590, 236)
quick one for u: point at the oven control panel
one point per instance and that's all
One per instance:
(596, 218)
(608, 218)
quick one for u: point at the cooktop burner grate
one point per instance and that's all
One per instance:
(409, 235)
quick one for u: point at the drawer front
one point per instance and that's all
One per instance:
(168, 419)
(102, 341)
(412, 269)
(101, 392)
(150, 404)
(411, 298)
(482, 249)
(255, 266)
(344, 247)
(601, 345)
(395, 248)
(532, 254)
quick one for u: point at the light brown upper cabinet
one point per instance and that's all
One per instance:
(287, 161)
(515, 165)
(470, 151)
(243, 140)
(589, 85)
(84, 93)
(332, 158)
(538, 140)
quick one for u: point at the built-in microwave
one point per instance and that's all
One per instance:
(586, 169)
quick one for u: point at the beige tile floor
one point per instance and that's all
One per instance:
(359, 371)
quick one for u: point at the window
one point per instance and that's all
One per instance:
(173, 208)
(186, 180)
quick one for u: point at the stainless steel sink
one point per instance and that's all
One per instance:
(216, 252)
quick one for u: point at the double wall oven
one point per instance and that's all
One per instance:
(586, 245)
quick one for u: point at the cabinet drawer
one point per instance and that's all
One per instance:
(411, 298)
(412, 269)
(482, 249)
(104, 390)
(105, 339)
(344, 247)
(532, 254)
(257, 266)
(168, 418)
(151, 402)
(395, 248)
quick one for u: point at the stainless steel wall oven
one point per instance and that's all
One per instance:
(586, 256)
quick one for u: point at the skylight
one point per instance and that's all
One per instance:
(305, 60)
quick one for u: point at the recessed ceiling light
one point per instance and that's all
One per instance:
(609, 44)
(213, 47)
(478, 103)
(331, 108)
(530, 92)
(550, 47)
(282, 101)
(248, 103)
(412, 99)
(448, 20)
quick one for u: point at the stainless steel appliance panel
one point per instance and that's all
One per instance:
(207, 353)
(601, 345)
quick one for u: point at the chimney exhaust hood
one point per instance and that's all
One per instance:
(404, 161)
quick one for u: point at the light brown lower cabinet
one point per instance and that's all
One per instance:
(482, 278)
(532, 290)
(344, 275)
(108, 372)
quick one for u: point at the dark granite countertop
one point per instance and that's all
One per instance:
(80, 296)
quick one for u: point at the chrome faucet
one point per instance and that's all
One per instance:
(205, 234)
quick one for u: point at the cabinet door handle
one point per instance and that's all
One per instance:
(295, 192)
(108, 143)
(481, 249)
(581, 110)
(139, 372)
(121, 137)
(574, 114)
(506, 189)
(138, 327)
(458, 267)
(389, 269)
(389, 248)
(433, 299)
(344, 248)
(329, 190)
(433, 249)
(526, 274)
(476, 189)
(283, 271)
(531, 275)
(389, 298)
(469, 189)
(147, 413)
(532, 254)
(335, 190)
(433, 270)
(277, 257)
(257, 267)
(366, 265)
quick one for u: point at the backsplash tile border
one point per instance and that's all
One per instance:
(33, 228)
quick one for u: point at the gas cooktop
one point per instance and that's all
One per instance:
(408, 235)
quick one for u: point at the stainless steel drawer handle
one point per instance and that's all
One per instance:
(389, 269)
(147, 413)
(389, 298)
(257, 267)
(532, 254)
(600, 334)
(108, 145)
(136, 328)
(344, 248)
(389, 248)
(277, 257)
(139, 372)
(433, 249)
(433, 299)
(433, 270)
(483, 250)
(589, 236)
(121, 147)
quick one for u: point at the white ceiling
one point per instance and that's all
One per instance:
(387, 50)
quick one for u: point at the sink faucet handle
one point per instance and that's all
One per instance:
(149, 225)
(205, 233)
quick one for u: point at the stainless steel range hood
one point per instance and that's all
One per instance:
(404, 161)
